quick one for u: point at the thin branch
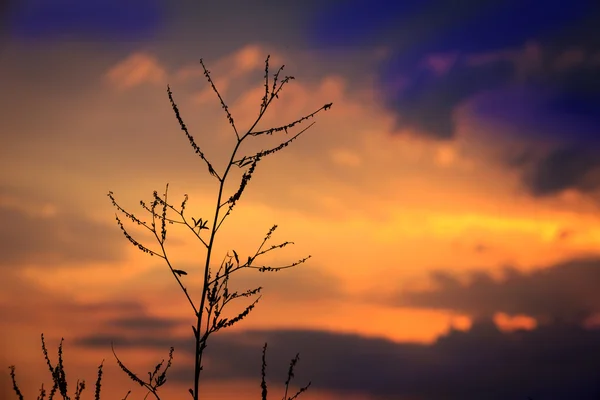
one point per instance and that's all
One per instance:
(223, 105)
(190, 137)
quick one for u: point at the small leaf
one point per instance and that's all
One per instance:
(237, 260)
(179, 272)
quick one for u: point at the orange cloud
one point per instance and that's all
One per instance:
(135, 70)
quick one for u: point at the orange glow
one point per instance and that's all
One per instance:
(507, 323)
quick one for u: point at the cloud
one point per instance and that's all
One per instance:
(573, 167)
(427, 102)
(26, 303)
(145, 323)
(355, 121)
(345, 157)
(565, 291)
(135, 70)
(233, 67)
(479, 363)
(549, 116)
(38, 232)
(522, 89)
(556, 359)
(577, 88)
(554, 99)
(429, 74)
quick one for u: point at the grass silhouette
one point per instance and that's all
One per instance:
(215, 293)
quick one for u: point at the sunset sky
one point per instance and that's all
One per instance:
(450, 198)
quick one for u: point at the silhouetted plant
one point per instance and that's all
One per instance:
(215, 293)
(59, 378)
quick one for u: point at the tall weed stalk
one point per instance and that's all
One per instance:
(215, 294)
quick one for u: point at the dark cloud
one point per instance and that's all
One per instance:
(573, 162)
(555, 103)
(578, 91)
(567, 167)
(544, 103)
(567, 291)
(417, 30)
(555, 129)
(144, 341)
(64, 238)
(427, 103)
(553, 362)
(556, 360)
(538, 72)
(25, 303)
(145, 323)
